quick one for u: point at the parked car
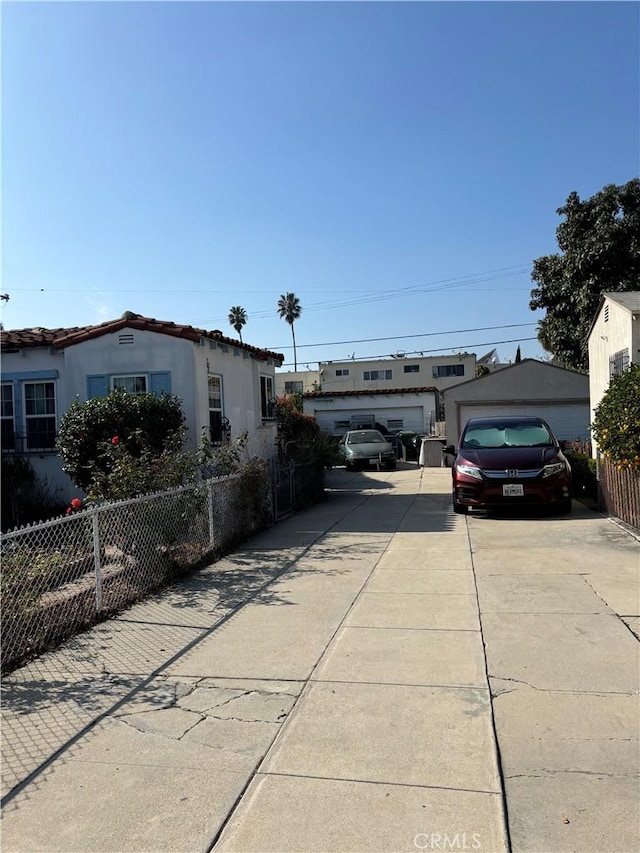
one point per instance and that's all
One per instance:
(362, 448)
(394, 440)
(509, 461)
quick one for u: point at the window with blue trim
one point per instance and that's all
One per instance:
(130, 383)
(154, 382)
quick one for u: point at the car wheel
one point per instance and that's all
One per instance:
(460, 509)
(348, 465)
(391, 466)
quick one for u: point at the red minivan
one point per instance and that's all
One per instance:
(507, 462)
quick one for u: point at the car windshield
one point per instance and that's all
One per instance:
(489, 436)
(365, 436)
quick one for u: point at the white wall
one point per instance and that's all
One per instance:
(608, 337)
(188, 363)
(310, 379)
(414, 409)
(423, 378)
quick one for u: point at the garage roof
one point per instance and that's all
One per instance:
(320, 394)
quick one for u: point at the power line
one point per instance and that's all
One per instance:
(422, 352)
(405, 337)
(393, 293)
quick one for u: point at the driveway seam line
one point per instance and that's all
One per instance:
(496, 743)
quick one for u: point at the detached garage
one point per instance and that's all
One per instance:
(558, 395)
(337, 412)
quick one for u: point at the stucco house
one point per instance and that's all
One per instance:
(225, 386)
(614, 342)
(558, 395)
(392, 372)
(396, 409)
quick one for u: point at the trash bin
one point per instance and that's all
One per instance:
(431, 453)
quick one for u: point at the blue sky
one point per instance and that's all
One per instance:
(396, 165)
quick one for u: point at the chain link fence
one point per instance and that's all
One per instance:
(63, 575)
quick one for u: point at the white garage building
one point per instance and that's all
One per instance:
(558, 395)
(336, 412)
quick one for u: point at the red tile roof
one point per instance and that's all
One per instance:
(16, 339)
(325, 394)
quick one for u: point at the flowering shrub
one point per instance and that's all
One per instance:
(616, 426)
(124, 445)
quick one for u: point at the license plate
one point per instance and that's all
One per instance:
(513, 490)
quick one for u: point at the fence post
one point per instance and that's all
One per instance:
(97, 563)
(210, 503)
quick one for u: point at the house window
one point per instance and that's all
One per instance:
(40, 415)
(215, 409)
(392, 424)
(372, 375)
(342, 426)
(412, 368)
(618, 363)
(293, 387)
(342, 371)
(267, 400)
(444, 370)
(7, 418)
(130, 384)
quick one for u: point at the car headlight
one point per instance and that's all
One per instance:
(355, 453)
(470, 471)
(553, 469)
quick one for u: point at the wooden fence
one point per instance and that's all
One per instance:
(620, 492)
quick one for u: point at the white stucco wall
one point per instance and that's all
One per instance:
(414, 409)
(188, 363)
(422, 378)
(310, 380)
(613, 330)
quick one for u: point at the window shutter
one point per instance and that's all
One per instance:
(160, 381)
(97, 386)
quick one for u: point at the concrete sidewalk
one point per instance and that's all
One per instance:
(375, 674)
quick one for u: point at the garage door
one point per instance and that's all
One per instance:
(338, 421)
(567, 420)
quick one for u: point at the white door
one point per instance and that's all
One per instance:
(567, 420)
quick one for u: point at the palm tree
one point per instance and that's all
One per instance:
(289, 309)
(238, 318)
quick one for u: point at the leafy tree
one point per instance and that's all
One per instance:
(123, 444)
(289, 309)
(238, 318)
(600, 252)
(616, 425)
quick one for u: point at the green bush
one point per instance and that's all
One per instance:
(616, 426)
(124, 444)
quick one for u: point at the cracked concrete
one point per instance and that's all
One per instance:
(411, 672)
(564, 675)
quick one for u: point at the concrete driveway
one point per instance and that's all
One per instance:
(375, 674)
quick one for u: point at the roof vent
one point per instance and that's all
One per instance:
(125, 339)
(606, 313)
